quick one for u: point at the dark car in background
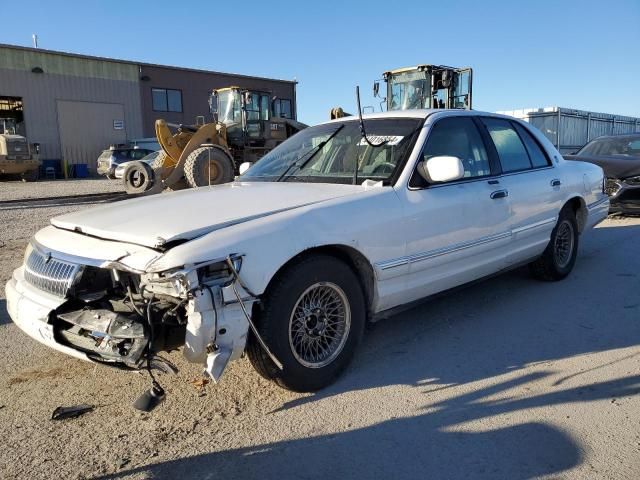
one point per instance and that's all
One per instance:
(109, 159)
(619, 157)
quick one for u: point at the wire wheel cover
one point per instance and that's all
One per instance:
(319, 325)
(563, 245)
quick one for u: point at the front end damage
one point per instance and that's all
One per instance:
(112, 314)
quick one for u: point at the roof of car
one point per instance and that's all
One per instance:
(420, 113)
(620, 135)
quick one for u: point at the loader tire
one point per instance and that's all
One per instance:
(208, 166)
(30, 176)
(138, 177)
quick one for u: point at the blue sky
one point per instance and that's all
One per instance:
(578, 54)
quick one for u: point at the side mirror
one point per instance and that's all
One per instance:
(376, 88)
(441, 169)
(244, 167)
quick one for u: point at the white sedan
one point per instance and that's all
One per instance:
(149, 159)
(327, 232)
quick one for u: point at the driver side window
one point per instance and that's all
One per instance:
(456, 137)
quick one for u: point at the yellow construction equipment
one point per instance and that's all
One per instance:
(17, 157)
(244, 128)
(422, 86)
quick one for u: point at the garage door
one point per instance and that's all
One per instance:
(87, 128)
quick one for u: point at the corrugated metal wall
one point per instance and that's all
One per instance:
(576, 127)
(86, 128)
(66, 78)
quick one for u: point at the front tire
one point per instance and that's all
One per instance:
(312, 319)
(559, 257)
(30, 176)
(208, 166)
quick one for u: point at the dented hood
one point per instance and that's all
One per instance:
(159, 219)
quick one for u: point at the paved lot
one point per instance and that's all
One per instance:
(510, 378)
(18, 190)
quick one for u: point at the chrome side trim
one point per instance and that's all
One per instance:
(534, 225)
(597, 203)
(419, 257)
(396, 262)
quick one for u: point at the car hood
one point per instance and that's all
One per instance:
(157, 220)
(613, 166)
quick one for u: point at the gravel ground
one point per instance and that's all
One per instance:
(509, 378)
(17, 190)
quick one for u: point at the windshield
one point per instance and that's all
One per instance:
(408, 90)
(229, 107)
(329, 153)
(624, 147)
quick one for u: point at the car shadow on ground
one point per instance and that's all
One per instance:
(487, 332)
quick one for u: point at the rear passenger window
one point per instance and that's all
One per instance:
(457, 137)
(512, 153)
(536, 155)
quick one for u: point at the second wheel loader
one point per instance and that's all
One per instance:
(243, 130)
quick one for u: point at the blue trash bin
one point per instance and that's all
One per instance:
(81, 170)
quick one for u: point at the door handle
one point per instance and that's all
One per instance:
(555, 182)
(500, 194)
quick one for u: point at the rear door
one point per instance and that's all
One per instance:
(533, 185)
(458, 231)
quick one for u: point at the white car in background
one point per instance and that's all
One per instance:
(149, 159)
(325, 233)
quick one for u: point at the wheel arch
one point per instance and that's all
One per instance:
(579, 207)
(355, 259)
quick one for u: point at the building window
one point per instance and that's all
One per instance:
(282, 108)
(165, 100)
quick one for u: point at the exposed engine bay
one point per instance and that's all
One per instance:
(113, 318)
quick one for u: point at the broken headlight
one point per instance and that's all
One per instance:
(219, 273)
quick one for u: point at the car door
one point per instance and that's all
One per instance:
(533, 185)
(458, 231)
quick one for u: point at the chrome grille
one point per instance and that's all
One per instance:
(611, 187)
(49, 274)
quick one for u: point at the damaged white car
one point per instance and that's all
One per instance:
(334, 228)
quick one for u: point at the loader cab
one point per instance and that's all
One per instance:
(245, 113)
(427, 86)
(8, 126)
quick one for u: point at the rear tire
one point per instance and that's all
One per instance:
(312, 319)
(208, 166)
(559, 257)
(138, 177)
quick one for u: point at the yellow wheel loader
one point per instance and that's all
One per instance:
(17, 157)
(243, 130)
(422, 86)
(427, 86)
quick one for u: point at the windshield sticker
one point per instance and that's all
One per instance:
(377, 139)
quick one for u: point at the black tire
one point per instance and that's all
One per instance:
(275, 321)
(208, 166)
(559, 257)
(138, 177)
(31, 175)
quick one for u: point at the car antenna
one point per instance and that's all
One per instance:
(363, 133)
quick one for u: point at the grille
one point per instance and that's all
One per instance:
(17, 147)
(611, 187)
(49, 274)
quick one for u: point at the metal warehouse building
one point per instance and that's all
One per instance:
(74, 106)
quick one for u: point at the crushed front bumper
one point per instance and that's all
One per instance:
(31, 311)
(216, 332)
